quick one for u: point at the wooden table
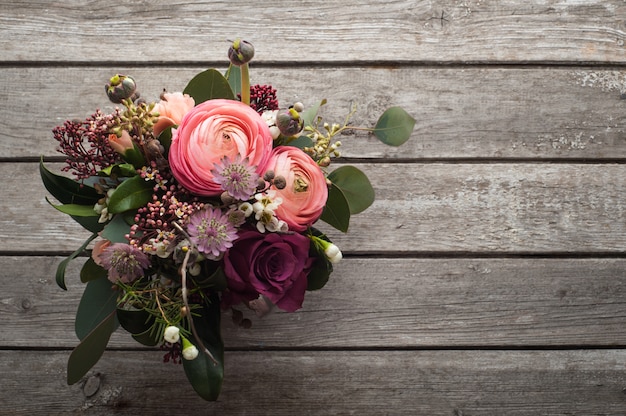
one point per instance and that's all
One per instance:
(487, 279)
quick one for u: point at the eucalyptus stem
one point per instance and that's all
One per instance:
(245, 84)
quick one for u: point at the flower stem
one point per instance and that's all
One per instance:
(245, 84)
(184, 293)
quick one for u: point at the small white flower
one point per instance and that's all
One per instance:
(275, 132)
(189, 350)
(333, 253)
(171, 334)
(246, 208)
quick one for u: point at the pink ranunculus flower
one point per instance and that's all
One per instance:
(172, 108)
(209, 132)
(272, 265)
(306, 192)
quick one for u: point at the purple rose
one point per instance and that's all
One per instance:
(270, 264)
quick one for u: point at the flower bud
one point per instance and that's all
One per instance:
(190, 351)
(289, 123)
(120, 88)
(171, 334)
(280, 182)
(240, 52)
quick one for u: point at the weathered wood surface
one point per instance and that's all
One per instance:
(439, 207)
(484, 112)
(434, 383)
(489, 278)
(286, 31)
(381, 303)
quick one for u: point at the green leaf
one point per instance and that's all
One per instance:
(204, 375)
(135, 321)
(91, 348)
(322, 268)
(123, 170)
(66, 190)
(209, 85)
(148, 338)
(355, 187)
(310, 113)
(91, 271)
(301, 142)
(60, 274)
(133, 193)
(233, 75)
(116, 229)
(394, 127)
(75, 209)
(165, 138)
(98, 301)
(337, 211)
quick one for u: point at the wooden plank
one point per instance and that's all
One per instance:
(422, 208)
(342, 383)
(370, 303)
(461, 113)
(396, 31)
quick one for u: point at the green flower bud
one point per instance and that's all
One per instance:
(240, 52)
(289, 123)
(120, 88)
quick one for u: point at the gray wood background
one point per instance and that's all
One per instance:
(488, 278)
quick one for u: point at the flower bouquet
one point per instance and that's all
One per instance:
(202, 202)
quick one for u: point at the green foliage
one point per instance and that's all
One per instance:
(233, 75)
(66, 190)
(322, 268)
(337, 211)
(136, 321)
(351, 193)
(116, 229)
(209, 85)
(204, 375)
(98, 301)
(133, 193)
(75, 209)
(91, 271)
(355, 187)
(60, 273)
(394, 126)
(123, 170)
(91, 348)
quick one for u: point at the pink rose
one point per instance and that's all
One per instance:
(272, 265)
(172, 108)
(306, 192)
(210, 131)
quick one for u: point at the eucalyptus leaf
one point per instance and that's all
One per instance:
(65, 190)
(394, 127)
(116, 229)
(204, 375)
(75, 209)
(355, 187)
(233, 75)
(337, 211)
(98, 301)
(133, 193)
(209, 85)
(60, 274)
(91, 348)
(309, 114)
(91, 271)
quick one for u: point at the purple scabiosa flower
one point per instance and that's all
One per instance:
(124, 262)
(236, 177)
(211, 232)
